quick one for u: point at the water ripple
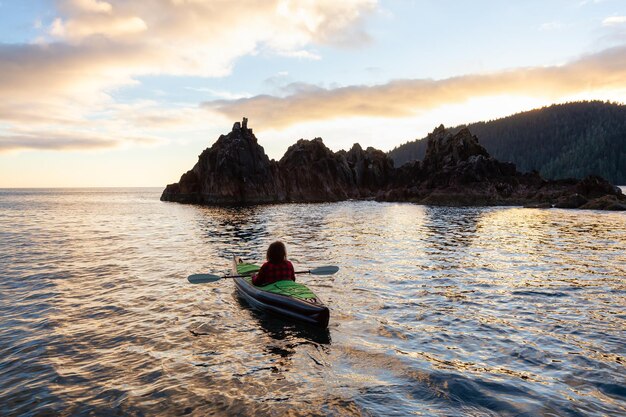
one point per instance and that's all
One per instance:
(435, 311)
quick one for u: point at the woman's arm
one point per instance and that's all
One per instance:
(260, 277)
(292, 272)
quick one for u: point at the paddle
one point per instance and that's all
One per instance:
(205, 278)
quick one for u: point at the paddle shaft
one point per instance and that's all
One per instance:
(206, 278)
(244, 276)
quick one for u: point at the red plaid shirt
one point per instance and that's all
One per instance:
(270, 273)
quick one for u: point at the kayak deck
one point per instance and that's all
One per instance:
(285, 298)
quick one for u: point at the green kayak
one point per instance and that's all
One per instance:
(285, 298)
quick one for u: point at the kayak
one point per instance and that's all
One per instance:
(288, 299)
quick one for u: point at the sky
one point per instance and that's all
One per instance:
(100, 93)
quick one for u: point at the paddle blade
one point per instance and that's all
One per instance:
(325, 270)
(203, 278)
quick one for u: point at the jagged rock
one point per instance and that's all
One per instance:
(607, 202)
(571, 201)
(445, 150)
(312, 172)
(453, 160)
(593, 186)
(235, 170)
(372, 169)
(456, 170)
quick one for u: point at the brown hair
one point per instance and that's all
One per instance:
(276, 253)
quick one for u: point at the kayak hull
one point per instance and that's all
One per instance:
(315, 313)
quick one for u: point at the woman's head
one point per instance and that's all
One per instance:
(276, 253)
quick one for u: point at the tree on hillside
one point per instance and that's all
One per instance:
(559, 141)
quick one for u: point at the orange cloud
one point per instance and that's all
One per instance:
(401, 98)
(62, 141)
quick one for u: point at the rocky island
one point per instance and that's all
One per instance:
(456, 171)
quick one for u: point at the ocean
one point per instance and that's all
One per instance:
(435, 311)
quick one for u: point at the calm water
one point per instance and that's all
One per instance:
(435, 311)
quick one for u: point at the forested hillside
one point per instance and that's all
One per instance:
(559, 141)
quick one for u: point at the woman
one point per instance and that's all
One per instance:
(277, 267)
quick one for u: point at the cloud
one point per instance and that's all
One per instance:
(614, 28)
(35, 71)
(62, 141)
(402, 98)
(302, 54)
(586, 2)
(614, 21)
(93, 6)
(183, 33)
(112, 27)
(114, 125)
(228, 95)
(66, 78)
